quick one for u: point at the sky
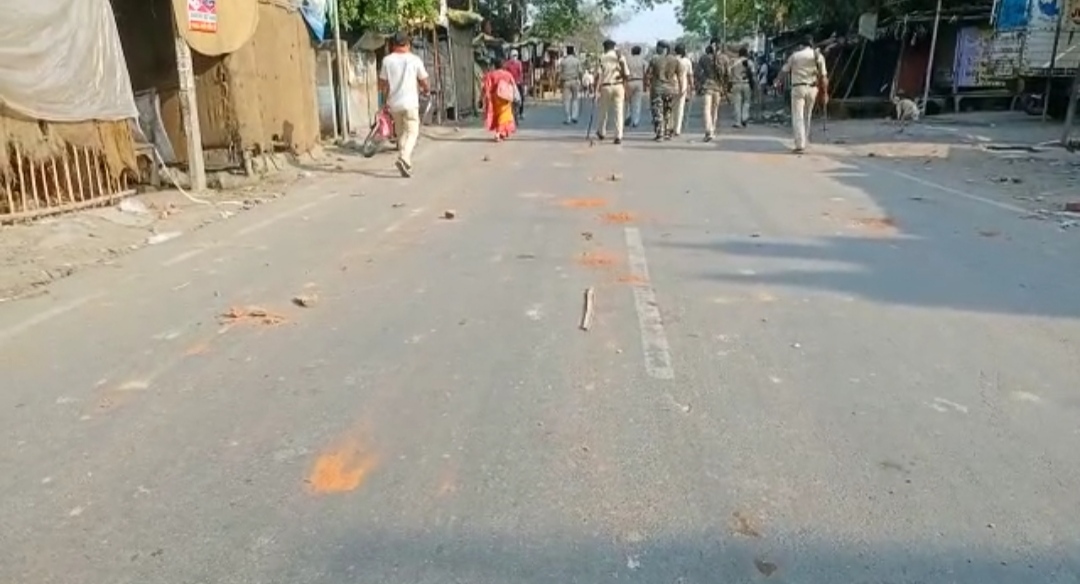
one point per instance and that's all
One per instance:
(649, 26)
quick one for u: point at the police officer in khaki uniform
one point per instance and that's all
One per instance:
(635, 85)
(570, 73)
(611, 90)
(711, 81)
(743, 75)
(808, 76)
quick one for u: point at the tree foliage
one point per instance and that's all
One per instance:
(584, 21)
(386, 15)
(582, 25)
(706, 17)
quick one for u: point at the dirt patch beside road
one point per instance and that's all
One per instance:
(33, 255)
(1003, 156)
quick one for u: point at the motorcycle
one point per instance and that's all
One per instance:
(383, 131)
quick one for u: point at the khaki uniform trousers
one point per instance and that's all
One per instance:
(612, 103)
(571, 99)
(407, 125)
(710, 109)
(802, 110)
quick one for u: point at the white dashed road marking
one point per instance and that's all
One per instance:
(654, 341)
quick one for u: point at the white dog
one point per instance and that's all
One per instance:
(906, 111)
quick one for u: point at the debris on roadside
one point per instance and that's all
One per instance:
(251, 313)
(1007, 179)
(305, 300)
(133, 206)
(765, 568)
(397, 205)
(587, 312)
(615, 177)
(162, 237)
(988, 232)
(587, 235)
(486, 158)
(449, 214)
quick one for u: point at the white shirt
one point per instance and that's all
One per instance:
(686, 68)
(402, 71)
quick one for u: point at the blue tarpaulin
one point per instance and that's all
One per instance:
(314, 13)
(1011, 14)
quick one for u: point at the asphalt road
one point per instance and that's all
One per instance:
(808, 369)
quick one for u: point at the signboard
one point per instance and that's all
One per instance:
(202, 15)
(973, 66)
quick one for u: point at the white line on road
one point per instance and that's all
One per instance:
(654, 341)
(397, 224)
(271, 220)
(183, 256)
(950, 190)
(44, 316)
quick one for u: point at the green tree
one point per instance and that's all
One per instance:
(386, 15)
(706, 17)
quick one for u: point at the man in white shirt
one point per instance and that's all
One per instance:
(402, 78)
(570, 82)
(808, 75)
(686, 70)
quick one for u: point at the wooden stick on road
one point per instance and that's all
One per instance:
(586, 316)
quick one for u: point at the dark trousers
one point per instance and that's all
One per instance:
(521, 104)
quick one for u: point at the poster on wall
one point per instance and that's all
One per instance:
(202, 15)
(972, 66)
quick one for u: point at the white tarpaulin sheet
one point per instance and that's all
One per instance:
(61, 61)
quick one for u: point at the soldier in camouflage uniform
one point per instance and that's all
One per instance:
(664, 86)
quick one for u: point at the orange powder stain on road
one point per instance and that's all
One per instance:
(583, 203)
(877, 222)
(597, 259)
(340, 472)
(197, 349)
(618, 218)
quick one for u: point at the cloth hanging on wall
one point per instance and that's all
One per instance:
(61, 61)
(314, 13)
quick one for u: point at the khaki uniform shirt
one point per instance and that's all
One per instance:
(635, 67)
(569, 69)
(805, 65)
(612, 68)
(742, 71)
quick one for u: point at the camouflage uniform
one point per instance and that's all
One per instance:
(663, 78)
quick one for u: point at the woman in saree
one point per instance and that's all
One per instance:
(500, 93)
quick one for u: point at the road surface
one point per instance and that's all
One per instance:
(809, 369)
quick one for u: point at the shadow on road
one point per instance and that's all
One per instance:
(933, 248)
(704, 557)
